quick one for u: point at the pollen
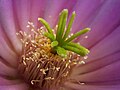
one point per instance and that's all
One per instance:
(38, 65)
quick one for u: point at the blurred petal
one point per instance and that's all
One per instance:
(22, 8)
(6, 70)
(92, 87)
(27, 10)
(8, 23)
(107, 20)
(85, 12)
(97, 64)
(107, 46)
(37, 10)
(7, 51)
(4, 81)
(108, 74)
(20, 86)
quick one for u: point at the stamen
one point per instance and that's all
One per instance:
(41, 68)
(85, 57)
(47, 59)
(82, 62)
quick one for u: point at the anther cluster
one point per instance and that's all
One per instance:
(38, 66)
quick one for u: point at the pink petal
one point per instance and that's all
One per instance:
(27, 10)
(104, 23)
(20, 86)
(85, 13)
(5, 82)
(6, 51)
(92, 87)
(37, 9)
(109, 45)
(108, 74)
(8, 23)
(6, 70)
(96, 64)
(22, 13)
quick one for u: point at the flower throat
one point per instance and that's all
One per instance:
(48, 58)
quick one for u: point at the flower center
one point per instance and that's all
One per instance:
(38, 65)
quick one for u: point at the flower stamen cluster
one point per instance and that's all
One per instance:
(47, 60)
(38, 66)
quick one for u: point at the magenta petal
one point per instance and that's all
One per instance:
(7, 51)
(4, 81)
(22, 13)
(8, 23)
(96, 65)
(92, 87)
(109, 45)
(104, 23)
(108, 74)
(6, 70)
(85, 12)
(20, 86)
(27, 10)
(37, 9)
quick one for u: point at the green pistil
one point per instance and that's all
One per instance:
(61, 24)
(78, 34)
(69, 26)
(48, 34)
(61, 43)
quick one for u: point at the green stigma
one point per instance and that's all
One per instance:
(60, 42)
